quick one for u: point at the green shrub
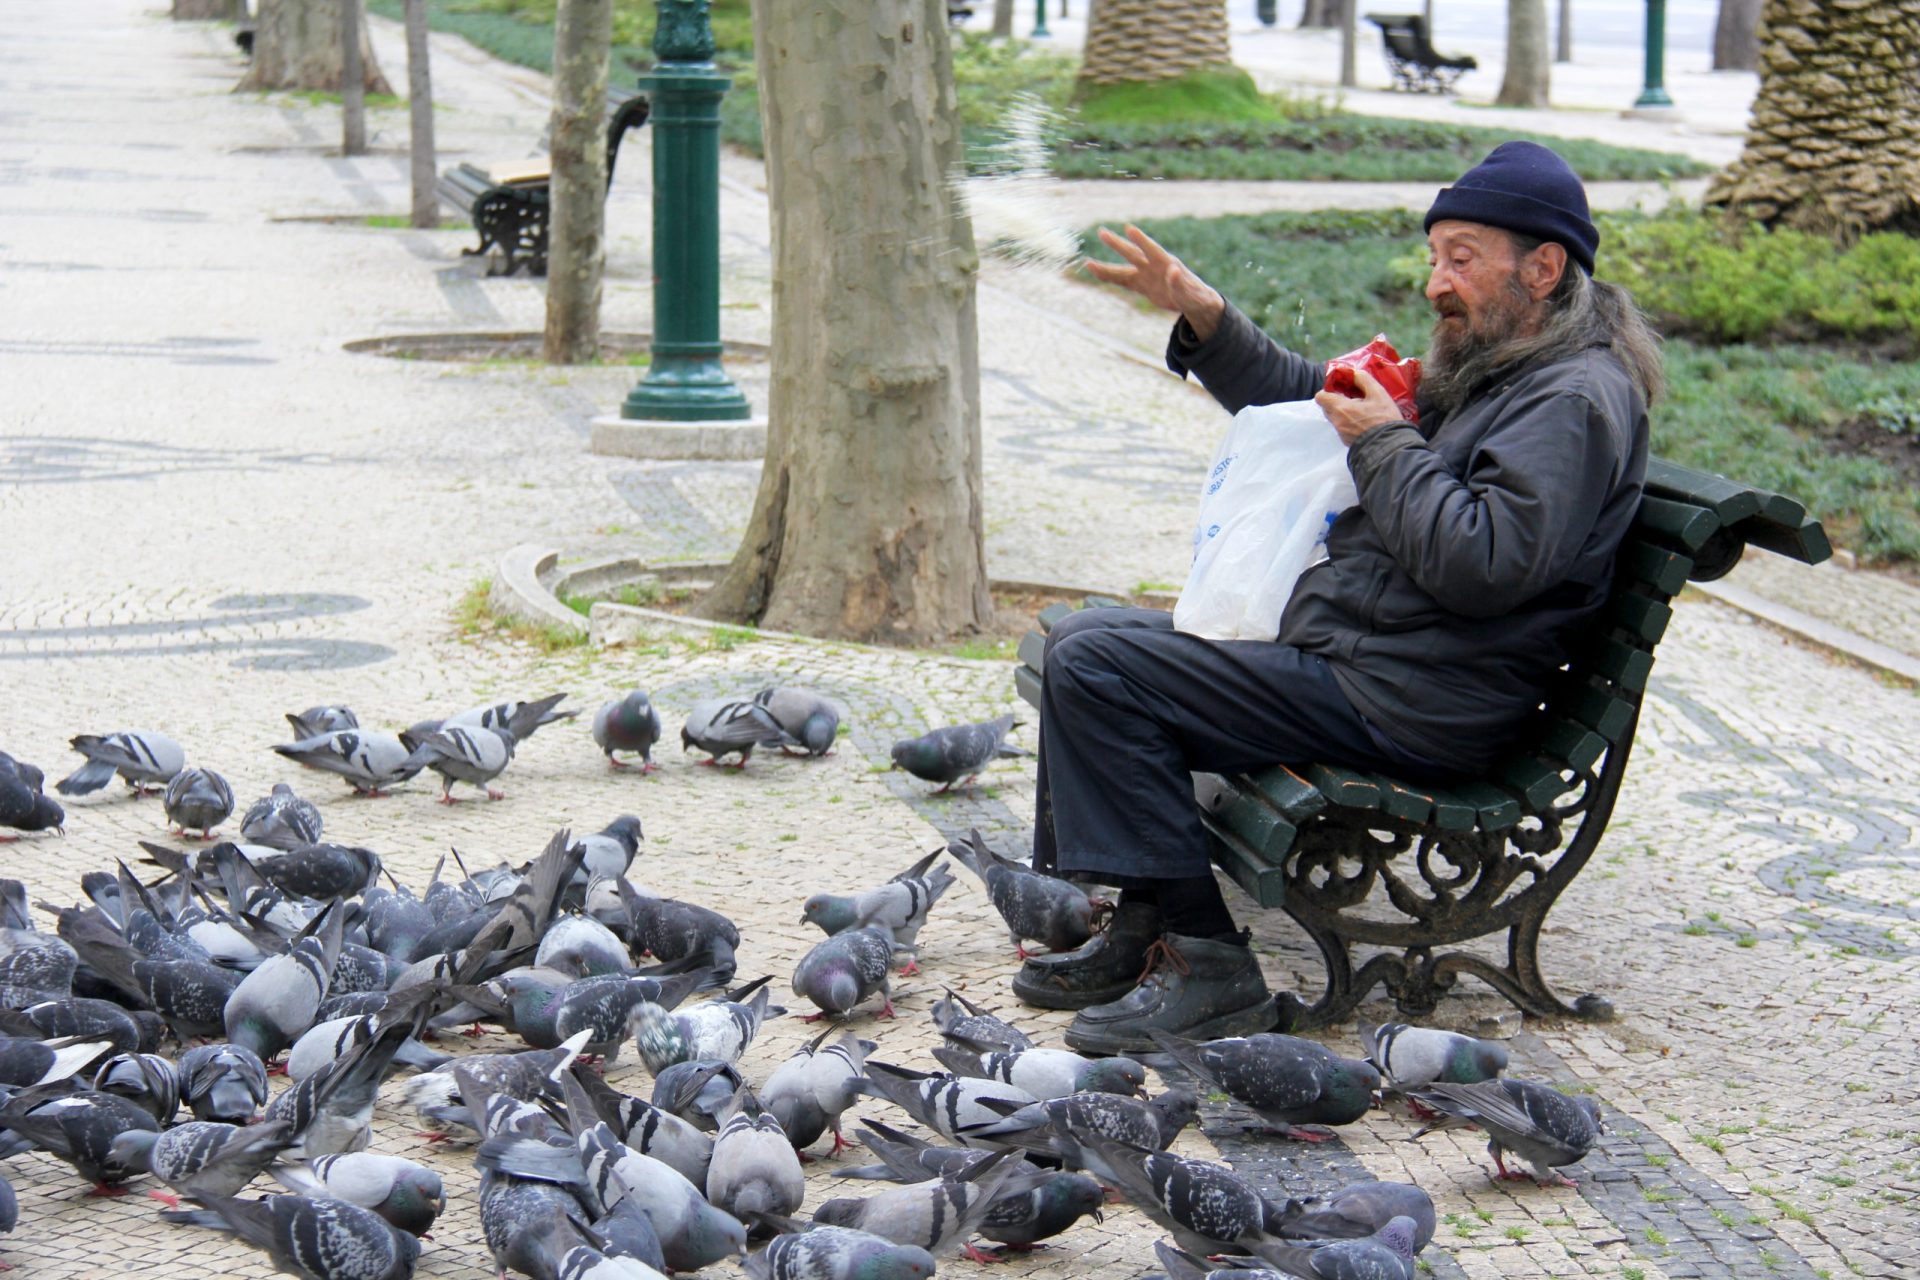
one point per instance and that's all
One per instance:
(1210, 94)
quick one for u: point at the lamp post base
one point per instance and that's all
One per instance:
(661, 440)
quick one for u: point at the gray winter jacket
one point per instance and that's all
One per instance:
(1481, 545)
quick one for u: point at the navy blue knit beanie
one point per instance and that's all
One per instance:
(1524, 187)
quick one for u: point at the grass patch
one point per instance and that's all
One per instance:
(986, 649)
(401, 222)
(1206, 94)
(474, 619)
(1772, 415)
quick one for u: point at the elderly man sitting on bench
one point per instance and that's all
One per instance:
(1482, 542)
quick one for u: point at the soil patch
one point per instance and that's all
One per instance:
(1864, 436)
(482, 348)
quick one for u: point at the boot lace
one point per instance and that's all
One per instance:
(1161, 955)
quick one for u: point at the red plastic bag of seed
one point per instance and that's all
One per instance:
(1400, 377)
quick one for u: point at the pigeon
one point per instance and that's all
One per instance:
(331, 1111)
(837, 1253)
(1056, 913)
(698, 1092)
(1285, 1080)
(325, 1042)
(805, 718)
(142, 757)
(581, 947)
(201, 1158)
(460, 754)
(318, 1239)
(720, 1029)
(1208, 1207)
(281, 820)
(672, 931)
(198, 798)
(583, 1263)
(516, 719)
(276, 1002)
(316, 721)
(810, 1091)
(1383, 1255)
(844, 969)
(397, 922)
(649, 1129)
(899, 906)
(529, 1226)
(611, 851)
(935, 1215)
(313, 871)
(190, 994)
(1542, 1126)
(966, 1024)
(962, 751)
(147, 1080)
(436, 1094)
(9, 1210)
(1046, 1073)
(128, 1031)
(754, 1168)
(27, 1061)
(602, 1006)
(23, 805)
(223, 1082)
(1413, 1057)
(1353, 1211)
(1071, 1127)
(407, 1195)
(371, 763)
(631, 724)
(948, 1105)
(727, 726)
(78, 1127)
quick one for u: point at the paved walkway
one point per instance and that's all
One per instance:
(213, 513)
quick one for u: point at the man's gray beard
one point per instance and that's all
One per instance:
(1460, 357)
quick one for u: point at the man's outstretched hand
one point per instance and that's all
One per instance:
(1160, 278)
(1355, 418)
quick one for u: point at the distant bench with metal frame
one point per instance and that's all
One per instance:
(1478, 858)
(1411, 57)
(507, 203)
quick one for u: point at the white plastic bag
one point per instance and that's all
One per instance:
(1277, 482)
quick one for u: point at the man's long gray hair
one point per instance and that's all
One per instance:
(1581, 312)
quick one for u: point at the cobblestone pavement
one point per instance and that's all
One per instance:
(214, 514)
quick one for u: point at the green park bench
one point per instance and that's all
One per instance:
(507, 203)
(1411, 57)
(1364, 859)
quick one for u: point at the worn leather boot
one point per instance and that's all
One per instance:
(1194, 987)
(1104, 968)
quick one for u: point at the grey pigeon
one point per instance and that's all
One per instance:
(1053, 912)
(810, 1091)
(804, 716)
(754, 1169)
(436, 1094)
(948, 1105)
(1046, 1073)
(1285, 1080)
(581, 947)
(325, 1042)
(24, 806)
(630, 724)
(1208, 1207)
(129, 1031)
(1542, 1126)
(842, 970)
(331, 1111)
(1356, 1210)
(1071, 1127)
(648, 1129)
(530, 1226)
(78, 1127)
(313, 1238)
(1387, 1254)
(965, 1023)
(313, 871)
(899, 906)
(198, 798)
(728, 726)
(1412, 1057)
(315, 721)
(147, 1080)
(672, 931)
(408, 1195)
(720, 1029)
(36, 966)
(516, 719)
(27, 1061)
(281, 820)
(144, 758)
(9, 1208)
(190, 994)
(838, 1253)
(610, 851)
(204, 1158)
(223, 1082)
(603, 1005)
(936, 1215)
(276, 1002)
(372, 763)
(461, 754)
(698, 1092)
(583, 1263)
(962, 751)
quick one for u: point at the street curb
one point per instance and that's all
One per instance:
(1814, 631)
(657, 441)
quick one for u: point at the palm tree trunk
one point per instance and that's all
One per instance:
(1145, 40)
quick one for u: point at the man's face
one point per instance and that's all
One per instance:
(1475, 287)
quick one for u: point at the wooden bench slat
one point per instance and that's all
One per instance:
(1605, 713)
(1104, 602)
(1344, 787)
(1729, 500)
(1026, 683)
(1572, 742)
(1623, 664)
(1401, 800)
(1641, 617)
(1535, 782)
(1805, 541)
(1685, 524)
(1295, 797)
(1264, 884)
(1495, 809)
(1663, 570)
(1053, 615)
(1452, 812)
(1033, 650)
(1267, 834)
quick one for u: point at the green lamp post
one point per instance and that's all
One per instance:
(685, 382)
(1040, 31)
(1654, 94)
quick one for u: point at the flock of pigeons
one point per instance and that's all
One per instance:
(285, 953)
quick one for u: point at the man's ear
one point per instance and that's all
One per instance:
(1541, 270)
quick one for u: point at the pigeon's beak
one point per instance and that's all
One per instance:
(1098, 1216)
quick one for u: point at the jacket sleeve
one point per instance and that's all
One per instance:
(1240, 365)
(1483, 544)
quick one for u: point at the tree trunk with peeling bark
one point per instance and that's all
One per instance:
(1320, 13)
(200, 10)
(420, 166)
(1002, 19)
(867, 525)
(1736, 36)
(576, 224)
(1146, 40)
(353, 90)
(1528, 66)
(296, 45)
(1833, 145)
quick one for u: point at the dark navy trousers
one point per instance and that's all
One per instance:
(1130, 709)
